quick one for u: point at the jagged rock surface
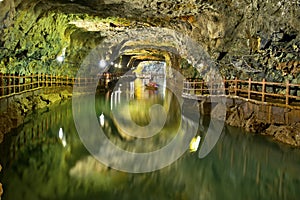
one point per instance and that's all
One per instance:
(19, 108)
(259, 39)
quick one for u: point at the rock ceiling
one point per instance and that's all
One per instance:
(255, 36)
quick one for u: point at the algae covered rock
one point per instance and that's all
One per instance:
(51, 98)
(65, 94)
(286, 134)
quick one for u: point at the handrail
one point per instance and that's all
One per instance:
(248, 89)
(12, 84)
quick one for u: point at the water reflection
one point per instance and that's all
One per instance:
(241, 166)
(168, 130)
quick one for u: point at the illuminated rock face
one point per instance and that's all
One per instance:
(245, 39)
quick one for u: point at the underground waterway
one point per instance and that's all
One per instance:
(40, 163)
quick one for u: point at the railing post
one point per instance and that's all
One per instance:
(13, 83)
(56, 80)
(24, 82)
(8, 84)
(263, 90)
(31, 81)
(19, 82)
(190, 87)
(202, 87)
(85, 80)
(225, 87)
(211, 86)
(1, 85)
(38, 80)
(235, 86)
(249, 89)
(195, 87)
(42, 80)
(287, 92)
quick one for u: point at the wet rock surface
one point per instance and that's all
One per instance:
(286, 134)
(251, 122)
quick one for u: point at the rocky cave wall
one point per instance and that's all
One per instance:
(258, 39)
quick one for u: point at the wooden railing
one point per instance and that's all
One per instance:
(248, 89)
(16, 84)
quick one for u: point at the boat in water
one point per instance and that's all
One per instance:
(151, 86)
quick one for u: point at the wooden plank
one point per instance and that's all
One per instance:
(8, 85)
(23, 82)
(268, 83)
(31, 81)
(249, 88)
(235, 86)
(201, 87)
(51, 80)
(263, 90)
(13, 84)
(275, 95)
(38, 80)
(19, 84)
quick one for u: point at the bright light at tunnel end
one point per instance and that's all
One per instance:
(92, 135)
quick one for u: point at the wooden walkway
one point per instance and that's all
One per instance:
(17, 84)
(262, 92)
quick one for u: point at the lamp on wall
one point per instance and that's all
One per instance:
(102, 63)
(60, 58)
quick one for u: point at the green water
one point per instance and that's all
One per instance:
(241, 166)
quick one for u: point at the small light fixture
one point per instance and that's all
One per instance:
(102, 63)
(59, 58)
(62, 56)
